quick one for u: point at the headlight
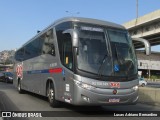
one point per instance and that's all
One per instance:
(10, 77)
(84, 85)
(135, 88)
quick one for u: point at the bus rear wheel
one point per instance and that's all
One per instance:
(51, 96)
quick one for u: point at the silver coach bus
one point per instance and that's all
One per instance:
(80, 61)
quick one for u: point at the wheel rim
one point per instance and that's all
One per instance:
(19, 87)
(51, 94)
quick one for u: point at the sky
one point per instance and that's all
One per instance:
(20, 19)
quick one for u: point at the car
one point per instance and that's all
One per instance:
(142, 82)
(6, 77)
(2, 77)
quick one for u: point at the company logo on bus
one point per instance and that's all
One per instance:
(115, 92)
(19, 71)
(115, 84)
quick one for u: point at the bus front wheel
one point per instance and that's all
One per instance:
(51, 96)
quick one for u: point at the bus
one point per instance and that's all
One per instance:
(80, 61)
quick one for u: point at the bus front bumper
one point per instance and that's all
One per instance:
(103, 96)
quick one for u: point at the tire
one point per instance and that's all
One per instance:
(143, 84)
(19, 87)
(51, 96)
(6, 80)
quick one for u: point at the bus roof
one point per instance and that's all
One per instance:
(89, 20)
(78, 19)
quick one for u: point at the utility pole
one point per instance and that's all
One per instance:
(136, 8)
(136, 13)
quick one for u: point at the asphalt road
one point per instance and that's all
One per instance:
(11, 100)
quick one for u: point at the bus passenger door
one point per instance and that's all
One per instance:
(67, 72)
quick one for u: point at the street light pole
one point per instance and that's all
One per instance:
(71, 13)
(136, 8)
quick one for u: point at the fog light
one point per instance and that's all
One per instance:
(135, 88)
(85, 98)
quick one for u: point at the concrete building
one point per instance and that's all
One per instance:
(148, 65)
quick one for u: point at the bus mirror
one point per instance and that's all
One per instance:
(74, 36)
(146, 44)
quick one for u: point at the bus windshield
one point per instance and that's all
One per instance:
(94, 56)
(123, 55)
(92, 51)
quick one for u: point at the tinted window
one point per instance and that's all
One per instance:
(33, 49)
(67, 52)
(117, 36)
(9, 74)
(61, 37)
(19, 55)
(1, 74)
(48, 47)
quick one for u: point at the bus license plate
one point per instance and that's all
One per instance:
(114, 100)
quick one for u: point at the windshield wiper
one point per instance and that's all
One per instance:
(101, 68)
(131, 64)
(120, 59)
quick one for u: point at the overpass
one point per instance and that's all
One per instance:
(5, 67)
(147, 27)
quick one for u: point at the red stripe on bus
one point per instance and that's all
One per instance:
(55, 70)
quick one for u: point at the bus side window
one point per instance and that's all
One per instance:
(67, 52)
(19, 56)
(48, 46)
(65, 44)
